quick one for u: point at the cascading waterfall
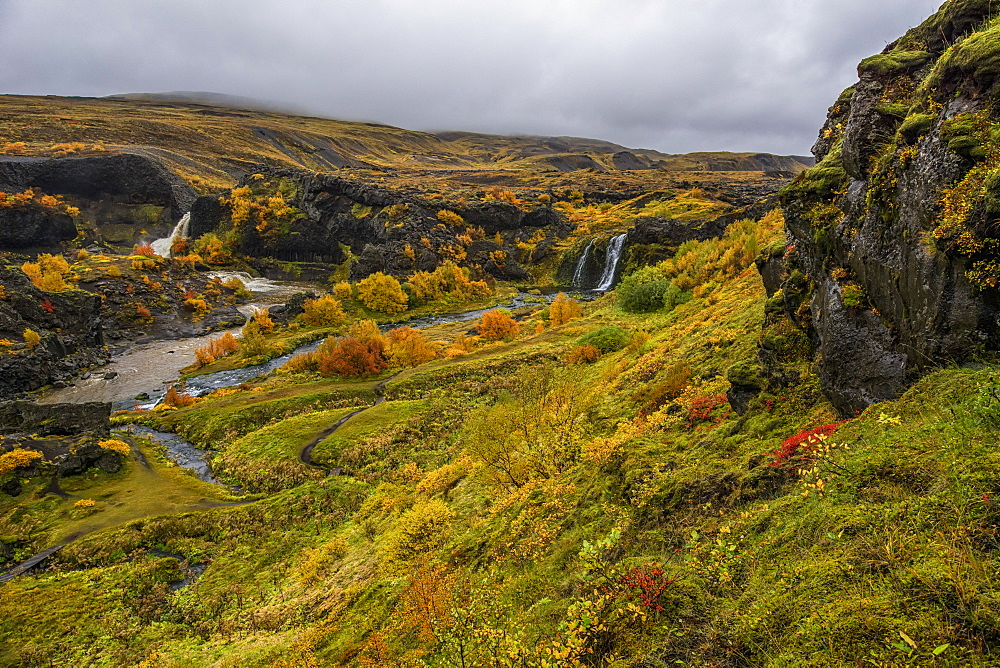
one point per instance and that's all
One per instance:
(614, 254)
(581, 266)
(162, 246)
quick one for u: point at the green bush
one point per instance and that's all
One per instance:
(606, 339)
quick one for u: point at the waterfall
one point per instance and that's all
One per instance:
(614, 254)
(162, 246)
(581, 266)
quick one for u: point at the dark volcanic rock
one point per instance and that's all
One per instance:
(70, 325)
(55, 419)
(34, 230)
(885, 300)
(129, 178)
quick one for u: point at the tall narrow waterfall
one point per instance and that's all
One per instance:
(581, 266)
(162, 246)
(614, 254)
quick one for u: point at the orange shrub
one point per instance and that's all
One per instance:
(498, 325)
(177, 399)
(351, 358)
(145, 249)
(583, 355)
(409, 347)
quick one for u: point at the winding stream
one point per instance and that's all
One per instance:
(140, 376)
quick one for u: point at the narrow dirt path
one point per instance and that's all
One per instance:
(306, 455)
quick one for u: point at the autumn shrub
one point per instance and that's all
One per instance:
(31, 338)
(18, 458)
(144, 248)
(419, 530)
(324, 311)
(343, 291)
(498, 325)
(351, 358)
(702, 408)
(215, 251)
(226, 344)
(606, 339)
(563, 309)
(447, 280)
(14, 148)
(409, 347)
(315, 564)
(383, 293)
(583, 355)
(654, 396)
(48, 273)
(254, 346)
(116, 445)
(262, 317)
(797, 449)
(450, 218)
(177, 398)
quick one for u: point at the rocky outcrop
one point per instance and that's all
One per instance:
(380, 229)
(127, 178)
(27, 417)
(892, 266)
(34, 230)
(69, 324)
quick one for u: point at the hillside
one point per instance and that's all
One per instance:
(208, 144)
(772, 443)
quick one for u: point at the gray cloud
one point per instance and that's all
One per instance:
(674, 75)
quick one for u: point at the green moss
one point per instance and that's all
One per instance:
(915, 126)
(974, 61)
(606, 339)
(822, 182)
(894, 63)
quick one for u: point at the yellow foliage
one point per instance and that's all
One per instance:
(113, 444)
(324, 311)
(262, 317)
(85, 503)
(32, 338)
(419, 530)
(315, 564)
(563, 309)
(14, 148)
(380, 292)
(343, 290)
(16, 459)
(450, 218)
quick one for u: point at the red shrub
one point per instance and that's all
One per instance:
(702, 407)
(798, 449)
(47, 305)
(647, 582)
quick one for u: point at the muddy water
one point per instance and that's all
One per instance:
(149, 368)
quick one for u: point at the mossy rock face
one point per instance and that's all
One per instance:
(822, 182)
(915, 126)
(746, 373)
(973, 65)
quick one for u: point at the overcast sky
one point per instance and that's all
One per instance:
(673, 75)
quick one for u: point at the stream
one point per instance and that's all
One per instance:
(140, 377)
